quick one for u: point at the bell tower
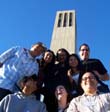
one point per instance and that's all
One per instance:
(64, 31)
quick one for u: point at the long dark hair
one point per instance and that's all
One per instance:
(42, 61)
(69, 96)
(67, 56)
(79, 66)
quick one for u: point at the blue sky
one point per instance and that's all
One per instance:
(24, 22)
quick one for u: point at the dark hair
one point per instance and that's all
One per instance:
(42, 61)
(67, 56)
(102, 88)
(81, 75)
(84, 44)
(69, 96)
(79, 66)
(26, 78)
(80, 79)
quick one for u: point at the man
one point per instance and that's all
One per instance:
(92, 100)
(16, 63)
(92, 64)
(24, 101)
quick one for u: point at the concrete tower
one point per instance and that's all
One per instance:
(64, 32)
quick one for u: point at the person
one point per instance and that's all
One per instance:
(91, 100)
(61, 67)
(46, 74)
(46, 64)
(63, 98)
(25, 100)
(74, 72)
(94, 65)
(16, 63)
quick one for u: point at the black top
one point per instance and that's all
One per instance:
(94, 64)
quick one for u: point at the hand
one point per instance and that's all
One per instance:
(69, 72)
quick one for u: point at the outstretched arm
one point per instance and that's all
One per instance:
(103, 77)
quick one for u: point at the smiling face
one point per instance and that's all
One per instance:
(36, 50)
(73, 62)
(89, 83)
(62, 56)
(84, 52)
(48, 56)
(60, 92)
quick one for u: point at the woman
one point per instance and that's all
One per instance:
(61, 68)
(47, 77)
(63, 98)
(73, 72)
(91, 100)
(46, 64)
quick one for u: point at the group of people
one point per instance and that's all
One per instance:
(68, 82)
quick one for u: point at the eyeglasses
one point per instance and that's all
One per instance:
(84, 50)
(86, 78)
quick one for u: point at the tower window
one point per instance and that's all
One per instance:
(65, 20)
(70, 19)
(59, 20)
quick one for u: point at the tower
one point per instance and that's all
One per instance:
(64, 32)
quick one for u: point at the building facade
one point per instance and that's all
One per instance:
(64, 31)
